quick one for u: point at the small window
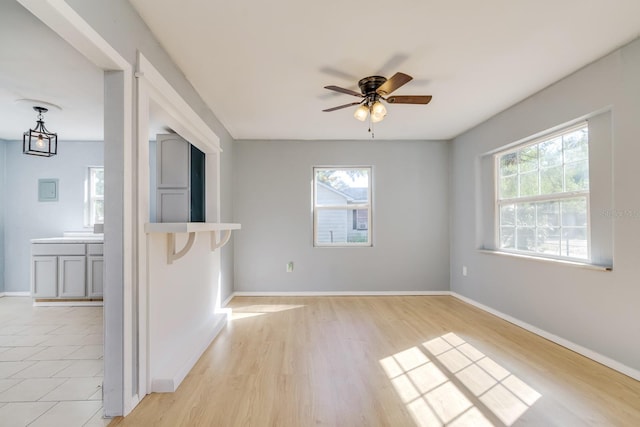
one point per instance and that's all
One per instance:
(95, 196)
(342, 206)
(543, 196)
(360, 219)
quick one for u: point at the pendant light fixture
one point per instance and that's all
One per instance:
(39, 141)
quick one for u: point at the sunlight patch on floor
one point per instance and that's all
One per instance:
(244, 312)
(237, 316)
(449, 382)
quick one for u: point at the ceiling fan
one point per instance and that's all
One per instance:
(375, 89)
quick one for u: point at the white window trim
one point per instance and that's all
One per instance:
(89, 198)
(369, 206)
(538, 198)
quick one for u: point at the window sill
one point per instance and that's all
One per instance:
(551, 260)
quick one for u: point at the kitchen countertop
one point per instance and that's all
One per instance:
(73, 239)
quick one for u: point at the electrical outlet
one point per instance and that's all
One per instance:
(290, 267)
(464, 270)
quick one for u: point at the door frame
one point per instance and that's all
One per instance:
(153, 87)
(119, 398)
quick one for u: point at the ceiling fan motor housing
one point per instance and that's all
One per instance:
(369, 85)
(377, 88)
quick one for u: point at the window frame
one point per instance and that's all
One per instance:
(550, 197)
(91, 198)
(316, 208)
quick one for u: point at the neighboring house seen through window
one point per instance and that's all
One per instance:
(360, 219)
(543, 196)
(342, 206)
(94, 198)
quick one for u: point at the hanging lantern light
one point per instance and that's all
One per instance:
(39, 141)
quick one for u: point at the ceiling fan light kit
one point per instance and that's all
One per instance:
(374, 89)
(361, 113)
(39, 141)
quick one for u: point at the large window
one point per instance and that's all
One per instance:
(95, 196)
(543, 196)
(342, 206)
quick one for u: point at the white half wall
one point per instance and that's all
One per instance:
(596, 310)
(182, 301)
(272, 201)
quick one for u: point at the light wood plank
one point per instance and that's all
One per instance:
(386, 361)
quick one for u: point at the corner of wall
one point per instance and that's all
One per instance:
(227, 285)
(450, 165)
(2, 207)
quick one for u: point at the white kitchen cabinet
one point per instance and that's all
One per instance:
(66, 268)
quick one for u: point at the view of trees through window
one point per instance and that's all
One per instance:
(342, 206)
(543, 196)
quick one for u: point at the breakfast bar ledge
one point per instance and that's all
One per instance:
(220, 234)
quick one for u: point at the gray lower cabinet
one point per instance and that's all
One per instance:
(66, 270)
(95, 275)
(71, 276)
(44, 276)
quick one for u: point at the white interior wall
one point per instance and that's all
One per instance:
(272, 187)
(595, 310)
(26, 218)
(182, 308)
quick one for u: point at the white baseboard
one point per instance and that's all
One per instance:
(597, 357)
(335, 293)
(164, 385)
(68, 304)
(228, 300)
(16, 294)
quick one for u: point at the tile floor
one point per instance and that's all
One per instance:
(51, 365)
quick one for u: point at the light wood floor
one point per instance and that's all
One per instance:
(386, 361)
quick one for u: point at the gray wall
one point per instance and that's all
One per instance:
(3, 204)
(272, 201)
(227, 213)
(26, 218)
(593, 309)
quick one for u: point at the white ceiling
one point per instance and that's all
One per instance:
(261, 65)
(35, 63)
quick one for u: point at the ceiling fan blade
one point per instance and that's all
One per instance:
(409, 99)
(341, 106)
(396, 81)
(343, 90)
